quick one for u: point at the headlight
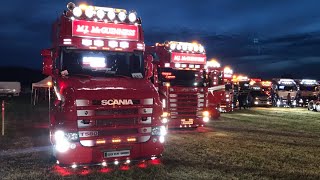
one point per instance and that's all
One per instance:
(256, 102)
(132, 17)
(205, 119)
(122, 16)
(205, 113)
(61, 144)
(257, 98)
(159, 131)
(77, 12)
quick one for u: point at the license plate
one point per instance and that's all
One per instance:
(121, 153)
(187, 121)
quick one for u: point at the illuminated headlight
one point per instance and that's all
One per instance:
(227, 96)
(227, 100)
(77, 12)
(268, 102)
(256, 102)
(205, 119)
(300, 101)
(62, 144)
(167, 65)
(164, 120)
(294, 102)
(159, 131)
(197, 66)
(101, 14)
(173, 46)
(161, 139)
(177, 65)
(278, 102)
(132, 17)
(122, 16)
(191, 65)
(205, 113)
(111, 15)
(89, 12)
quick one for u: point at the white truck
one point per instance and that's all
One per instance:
(10, 89)
(281, 90)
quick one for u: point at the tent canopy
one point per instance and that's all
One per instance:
(43, 83)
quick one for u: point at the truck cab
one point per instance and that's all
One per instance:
(308, 90)
(258, 94)
(282, 89)
(179, 78)
(105, 109)
(219, 89)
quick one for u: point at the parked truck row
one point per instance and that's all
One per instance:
(115, 97)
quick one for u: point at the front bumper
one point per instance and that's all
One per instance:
(83, 156)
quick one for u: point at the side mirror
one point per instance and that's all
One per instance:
(47, 64)
(149, 66)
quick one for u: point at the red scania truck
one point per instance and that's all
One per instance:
(105, 109)
(219, 86)
(178, 75)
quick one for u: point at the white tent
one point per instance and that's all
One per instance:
(44, 84)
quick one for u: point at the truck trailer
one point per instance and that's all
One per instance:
(105, 110)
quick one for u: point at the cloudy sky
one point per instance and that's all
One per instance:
(260, 38)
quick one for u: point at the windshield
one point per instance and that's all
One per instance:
(186, 78)
(287, 88)
(308, 88)
(244, 85)
(102, 63)
(258, 93)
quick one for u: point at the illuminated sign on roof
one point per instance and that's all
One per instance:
(188, 58)
(104, 30)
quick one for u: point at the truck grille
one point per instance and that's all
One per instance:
(184, 105)
(114, 121)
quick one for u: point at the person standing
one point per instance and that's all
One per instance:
(289, 100)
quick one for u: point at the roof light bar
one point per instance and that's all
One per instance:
(184, 46)
(103, 14)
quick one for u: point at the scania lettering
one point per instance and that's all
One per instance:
(105, 109)
(179, 78)
(112, 102)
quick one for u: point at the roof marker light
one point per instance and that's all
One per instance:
(185, 47)
(179, 47)
(190, 47)
(173, 46)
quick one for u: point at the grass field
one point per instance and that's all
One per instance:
(260, 143)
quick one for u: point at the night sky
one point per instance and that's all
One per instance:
(260, 38)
